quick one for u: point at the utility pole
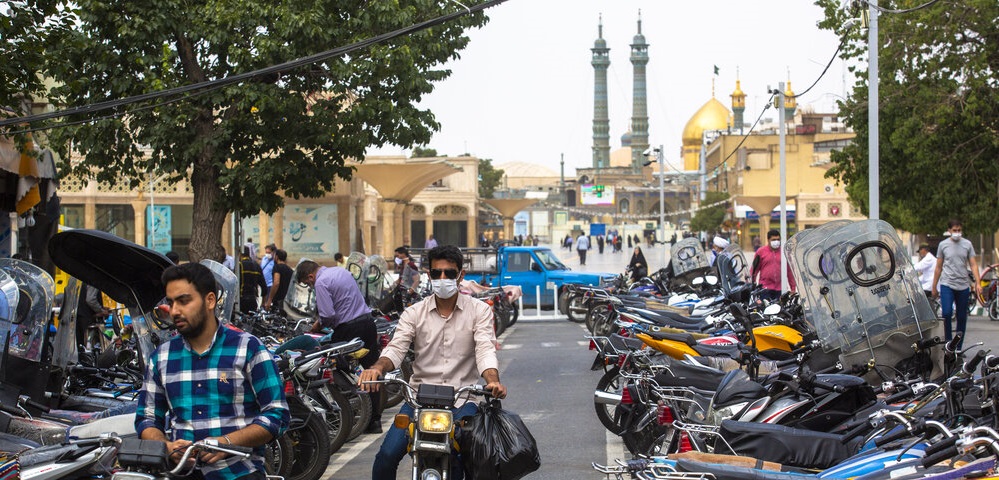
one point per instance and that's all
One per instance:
(661, 156)
(873, 153)
(783, 186)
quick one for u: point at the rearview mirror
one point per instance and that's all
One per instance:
(697, 281)
(772, 309)
(711, 279)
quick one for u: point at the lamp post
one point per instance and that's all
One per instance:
(660, 157)
(873, 153)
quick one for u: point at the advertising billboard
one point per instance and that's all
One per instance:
(597, 194)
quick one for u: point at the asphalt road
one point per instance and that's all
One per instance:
(544, 362)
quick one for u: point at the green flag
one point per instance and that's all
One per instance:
(716, 69)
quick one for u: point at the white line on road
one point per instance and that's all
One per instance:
(510, 346)
(550, 344)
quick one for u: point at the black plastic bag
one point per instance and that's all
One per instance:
(496, 445)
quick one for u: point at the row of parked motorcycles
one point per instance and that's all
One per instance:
(846, 378)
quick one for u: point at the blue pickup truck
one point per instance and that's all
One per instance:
(528, 268)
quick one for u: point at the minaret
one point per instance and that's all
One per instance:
(640, 112)
(738, 106)
(601, 122)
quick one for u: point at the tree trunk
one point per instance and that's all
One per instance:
(206, 226)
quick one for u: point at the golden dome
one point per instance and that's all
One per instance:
(738, 96)
(713, 115)
(789, 99)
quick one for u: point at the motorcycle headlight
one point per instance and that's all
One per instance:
(716, 415)
(435, 421)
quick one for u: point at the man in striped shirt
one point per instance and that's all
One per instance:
(213, 382)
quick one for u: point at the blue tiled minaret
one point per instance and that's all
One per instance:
(601, 122)
(640, 112)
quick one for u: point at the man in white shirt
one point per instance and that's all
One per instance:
(925, 266)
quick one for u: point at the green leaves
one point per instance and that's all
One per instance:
(286, 134)
(939, 116)
(709, 219)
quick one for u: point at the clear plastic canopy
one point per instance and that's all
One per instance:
(64, 346)
(373, 284)
(36, 293)
(9, 296)
(227, 287)
(859, 285)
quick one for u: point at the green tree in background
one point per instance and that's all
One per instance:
(939, 114)
(25, 29)
(489, 178)
(247, 146)
(710, 219)
(423, 152)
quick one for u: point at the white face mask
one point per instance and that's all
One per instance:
(775, 244)
(398, 261)
(444, 288)
(955, 236)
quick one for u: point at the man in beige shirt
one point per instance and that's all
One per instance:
(453, 338)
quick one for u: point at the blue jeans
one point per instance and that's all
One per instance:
(394, 447)
(949, 300)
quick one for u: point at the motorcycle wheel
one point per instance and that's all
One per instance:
(499, 321)
(361, 406)
(641, 442)
(576, 309)
(563, 301)
(993, 309)
(279, 456)
(603, 322)
(514, 314)
(591, 318)
(311, 445)
(608, 414)
(340, 423)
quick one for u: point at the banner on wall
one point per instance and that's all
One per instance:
(311, 230)
(159, 225)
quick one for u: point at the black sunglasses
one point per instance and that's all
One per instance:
(450, 273)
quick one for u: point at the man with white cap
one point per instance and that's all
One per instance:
(717, 246)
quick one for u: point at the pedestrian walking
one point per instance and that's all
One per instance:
(766, 267)
(950, 280)
(926, 266)
(582, 245)
(600, 244)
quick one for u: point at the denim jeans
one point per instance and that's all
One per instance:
(393, 448)
(951, 299)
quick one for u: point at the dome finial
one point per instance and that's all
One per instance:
(639, 21)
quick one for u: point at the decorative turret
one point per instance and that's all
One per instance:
(790, 102)
(640, 112)
(738, 106)
(601, 122)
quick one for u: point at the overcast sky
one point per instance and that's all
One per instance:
(523, 89)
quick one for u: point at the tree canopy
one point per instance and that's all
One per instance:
(249, 145)
(489, 178)
(25, 28)
(938, 115)
(710, 219)
(423, 152)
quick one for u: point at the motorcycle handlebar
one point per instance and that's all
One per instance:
(942, 445)
(992, 361)
(900, 395)
(855, 431)
(930, 460)
(24, 399)
(915, 429)
(213, 446)
(951, 346)
(927, 343)
(970, 366)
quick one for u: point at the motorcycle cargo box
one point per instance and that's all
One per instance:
(151, 454)
(441, 396)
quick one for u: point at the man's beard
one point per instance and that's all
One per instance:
(195, 326)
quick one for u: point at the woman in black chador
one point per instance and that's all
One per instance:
(639, 267)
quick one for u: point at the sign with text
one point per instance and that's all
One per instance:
(597, 194)
(159, 225)
(311, 230)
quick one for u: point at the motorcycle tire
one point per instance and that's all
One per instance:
(499, 321)
(608, 414)
(310, 443)
(643, 441)
(339, 423)
(563, 301)
(279, 455)
(576, 309)
(514, 315)
(993, 309)
(361, 406)
(603, 323)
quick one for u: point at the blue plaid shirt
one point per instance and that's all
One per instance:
(234, 384)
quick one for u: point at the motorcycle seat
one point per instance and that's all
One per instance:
(785, 445)
(675, 337)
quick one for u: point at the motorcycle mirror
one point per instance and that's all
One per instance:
(698, 281)
(711, 279)
(772, 309)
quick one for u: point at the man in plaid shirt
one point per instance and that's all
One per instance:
(212, 381)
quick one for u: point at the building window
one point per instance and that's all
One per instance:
(519, 262)
(624, 205)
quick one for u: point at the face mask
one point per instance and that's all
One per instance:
(444, 287)
(398, 261)
(955, 236)
(775, 244)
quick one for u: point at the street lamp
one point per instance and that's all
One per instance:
(658, 151)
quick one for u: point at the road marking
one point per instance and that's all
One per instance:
(550, 344)
(583, 343)
(510, 346)
(358, 445)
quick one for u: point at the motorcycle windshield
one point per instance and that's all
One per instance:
(860, 285)
(687, 255)
(227, 287)
(36, 291)
(373, 280)
(64, 346)
(9, 296)
(802, 250)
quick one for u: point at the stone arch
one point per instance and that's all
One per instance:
(624, 205)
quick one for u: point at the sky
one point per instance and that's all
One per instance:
(522, 90)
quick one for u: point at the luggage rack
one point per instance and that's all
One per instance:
(645, 469)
